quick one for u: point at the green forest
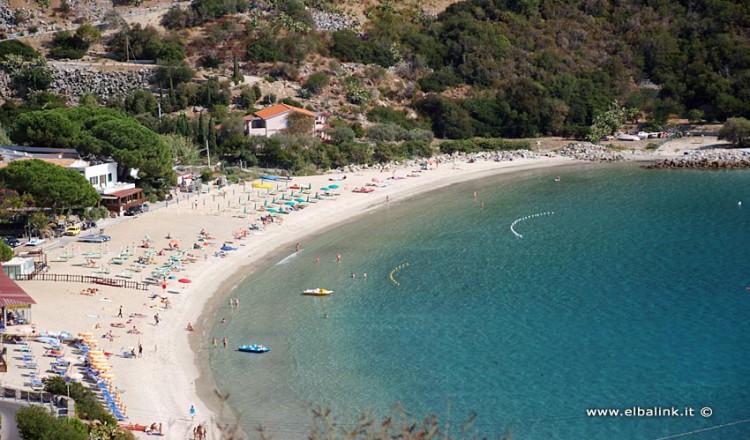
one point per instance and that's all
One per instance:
(479, 69)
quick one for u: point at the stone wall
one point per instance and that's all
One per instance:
(75, 81)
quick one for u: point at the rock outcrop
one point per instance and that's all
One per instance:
(592, 153)
(330, 21)
(711, 159)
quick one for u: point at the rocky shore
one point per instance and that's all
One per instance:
(592, 153)
(713, 159)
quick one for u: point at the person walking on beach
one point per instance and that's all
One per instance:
(226, 342)
(216, 342)
(156, 319)
(119, 314)
(192, 413)
(338, 257)
(140, 349)
(297, 247)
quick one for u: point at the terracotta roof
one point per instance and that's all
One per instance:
(65, 163)
(11, 293)
(275, 110)
(124, 192)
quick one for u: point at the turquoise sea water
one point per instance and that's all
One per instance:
(631, 294)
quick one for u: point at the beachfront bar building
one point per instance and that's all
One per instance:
(117, 196)
(15, 303)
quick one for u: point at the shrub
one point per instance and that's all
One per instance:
(36, 422)
(317, 82)
(16, 47)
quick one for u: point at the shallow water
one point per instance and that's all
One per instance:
(629, 291)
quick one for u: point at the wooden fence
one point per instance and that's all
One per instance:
(70, 278)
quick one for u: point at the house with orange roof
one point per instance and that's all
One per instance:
(274, 119)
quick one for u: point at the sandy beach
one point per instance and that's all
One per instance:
(161, 385)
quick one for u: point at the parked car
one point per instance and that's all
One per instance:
(11, 241)
(73, 230)
(137, 209)
(94, 238)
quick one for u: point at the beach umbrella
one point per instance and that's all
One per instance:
(228, 248)
(333, 186)
(290, 203)
(325, 188)
(300, 199)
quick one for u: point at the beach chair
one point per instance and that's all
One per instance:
(36, 384)
(32, 365)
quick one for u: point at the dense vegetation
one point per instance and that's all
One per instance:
(479, 69)
(36, 422)
(49, 185)
(526, 68)
(100, 132)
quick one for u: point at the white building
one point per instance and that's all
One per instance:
(274, 119)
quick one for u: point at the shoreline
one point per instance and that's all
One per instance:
(173, 373)
(205, 385)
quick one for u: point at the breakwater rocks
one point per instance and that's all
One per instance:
(75, 81)
(590, 153)
(713, 159)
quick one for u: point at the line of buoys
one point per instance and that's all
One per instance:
(516, 221)
(393, 280)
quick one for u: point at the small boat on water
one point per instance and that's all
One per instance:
(254, 348)
(317, 292)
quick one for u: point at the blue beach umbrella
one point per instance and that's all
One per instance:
(299, 199)
(289, 203)
(333, 186)
(325, 188)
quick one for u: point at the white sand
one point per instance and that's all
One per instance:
(161, 386)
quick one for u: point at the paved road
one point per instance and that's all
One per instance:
(9, 430)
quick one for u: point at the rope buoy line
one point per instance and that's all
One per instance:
(393, 280)
(516, 221)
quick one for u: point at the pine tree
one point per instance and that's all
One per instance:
(212, 133)
(200, 136)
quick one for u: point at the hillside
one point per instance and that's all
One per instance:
(487, 68)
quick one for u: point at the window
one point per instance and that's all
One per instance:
(258, 123)
(92, 180)
(109, 177)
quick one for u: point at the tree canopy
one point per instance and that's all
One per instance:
(99, 132)
(50, 185)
